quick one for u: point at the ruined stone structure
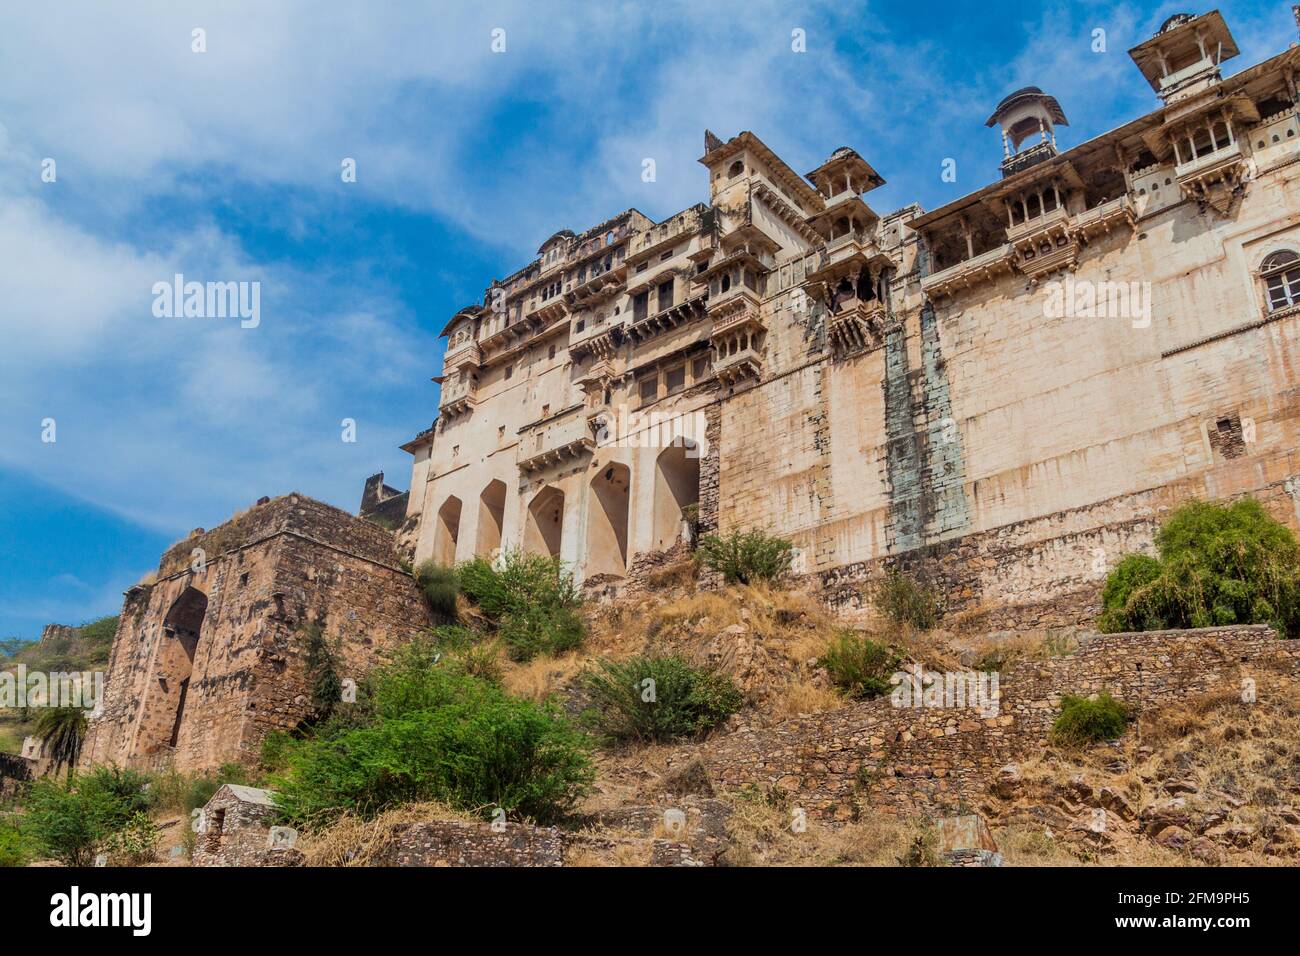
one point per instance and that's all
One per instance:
(210, 656)
(381, 504)
(1009, 390)
(237, 829)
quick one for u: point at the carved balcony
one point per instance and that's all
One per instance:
(556, 440)
(982, 268)
(463, 355)
(457, 398)
(1215, 177)
(858, 325)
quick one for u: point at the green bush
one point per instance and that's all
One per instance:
(1218, 565)
(1085, 721)
(438, 734)
(858, 666)
(657, 699)
(73, 820)
(322, 674)
(531, 600)
(905, 600)
(746, 557)
(16, 846)
(134, 843)
(541, 630)
(183, 793)
(439, 585)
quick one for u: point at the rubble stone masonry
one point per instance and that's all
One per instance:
(933, 760)
(209, 657)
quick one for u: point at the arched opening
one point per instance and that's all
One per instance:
(164, 711)
(491, 518)
(545, 525)
(607, 521)
(677, 487)
(446, 532)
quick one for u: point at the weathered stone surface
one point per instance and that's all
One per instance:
(904, 759)
(210, 657)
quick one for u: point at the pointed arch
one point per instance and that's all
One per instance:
(677, 487)
(544, 526)
(607, 514)
(491, 519)
(446, 532)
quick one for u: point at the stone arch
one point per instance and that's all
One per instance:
(491, 519)
(446, 532)
(164, 707)
(544, 526)
(677, 487)
(607, 513)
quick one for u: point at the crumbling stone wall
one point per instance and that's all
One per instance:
(264, 580)
(236, 830)
(932, 760)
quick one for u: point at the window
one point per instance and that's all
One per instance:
(699, 368)
(510, 371)
(1281, 275)
(675, 379)
(609, 238)
(648, 388)
(640, 305)
(665, 293)
(580, 325)
(666, 256)
(550, 353)
(737, 168)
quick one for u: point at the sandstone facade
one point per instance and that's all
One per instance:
(932, 388)
(210, 656)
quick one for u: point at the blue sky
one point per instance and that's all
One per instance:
(225, 166)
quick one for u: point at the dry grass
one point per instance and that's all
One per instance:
(762, 835)
(356, 842)
(541, 677)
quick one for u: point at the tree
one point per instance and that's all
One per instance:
(62, 730)
(1217, 565)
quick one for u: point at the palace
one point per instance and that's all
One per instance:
(908, 387)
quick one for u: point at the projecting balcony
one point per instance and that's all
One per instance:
(555, 441)
(1104, 217)
(457, 398)
(738, 343)
(856, 326)
(1213, 177)
(597, 288)
(972, 272)
(462, 355)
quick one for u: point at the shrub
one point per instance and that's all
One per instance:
(443, 736)
(183, 793)
(541, 630)
(274, 755)
(438, 583)
(136, 842)
(746, 557)
(322, 675)
(858, 666)
(131, 789)
(16, 846)
(657, 699)
(1217, 565)
(1085, 721)
(905, 600)
(73, 820)
(530, 599)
